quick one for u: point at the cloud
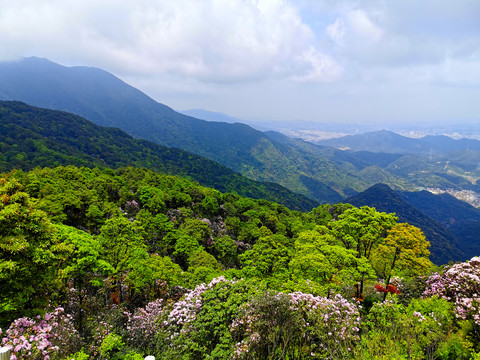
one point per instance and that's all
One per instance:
(210, 40)
(336, 31)
(318, 67)
(363, 26)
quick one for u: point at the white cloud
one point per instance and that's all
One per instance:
(364, 26)
(337, 31)
(248, 53)
(210, 40)
(319, 67)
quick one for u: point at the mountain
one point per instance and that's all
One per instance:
(107, 101)
(392, 143)
(34, 137)
(432, 161)
(443, 207)
(322, 173)
(444, 244)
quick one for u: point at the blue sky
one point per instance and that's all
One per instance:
(317, 60)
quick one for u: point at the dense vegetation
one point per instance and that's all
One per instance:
(34, 137)
(118, 264)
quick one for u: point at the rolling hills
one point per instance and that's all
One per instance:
(33, 137)
(316, 172)
(319, 172)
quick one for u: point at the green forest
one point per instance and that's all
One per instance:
(120, 264)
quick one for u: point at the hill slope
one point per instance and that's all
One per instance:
(34, 137)
(462, 219)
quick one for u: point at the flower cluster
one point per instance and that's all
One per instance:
(39, 339)
(101, 331)
(326, 326)
(460, 284)
(184, 311)
(142, 324)
(332, 323)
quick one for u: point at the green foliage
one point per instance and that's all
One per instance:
(185, 247)
(225, 251)
(268, 259)
(78, 356)
(121, 243)
(330, 267)
(413, 332)
(28, 253)
(111, 346)
(123, 254)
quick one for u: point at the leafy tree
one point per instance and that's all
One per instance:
(185, 247)
(28, 253)
(362, 229)
(318, 258)
(404, 251)
(156, 229)
(225, 251)
(152, 199)
(268, 259)
(121, 246)
(199, 230)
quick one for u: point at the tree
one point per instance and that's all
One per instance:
(320, 260)
(362, 229)
(268, 258)
(121, 245)
(27, 254)
(404, 251)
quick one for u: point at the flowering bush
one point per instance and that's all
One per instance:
(198, 324)
(331, 324)
(142, 325)
(459, 284)
(42, 338)
(275, 324)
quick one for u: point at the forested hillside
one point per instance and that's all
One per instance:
(119, 264)
(318, 172)
(34, 137)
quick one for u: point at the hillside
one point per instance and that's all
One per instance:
(106, 100)
(128, 262)
(462, 219)
(321, 173)
(444, 244)
(34, 137)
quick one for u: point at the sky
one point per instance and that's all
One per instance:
(369, 61)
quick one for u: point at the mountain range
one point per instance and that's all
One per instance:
(392, 143)
(211, 152)
(318, 172)
(457, 156)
